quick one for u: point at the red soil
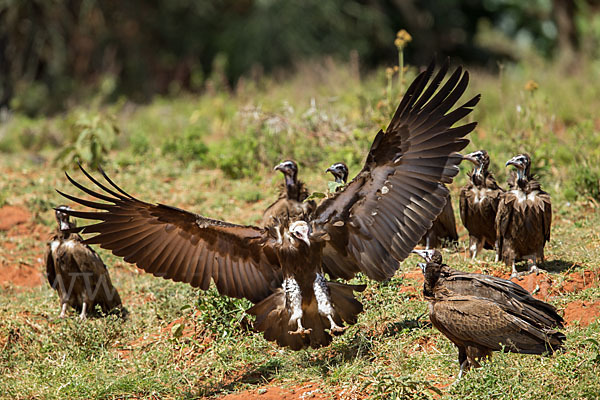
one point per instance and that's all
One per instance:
(308, 391)
(585, 312)
(11, 216)
(21, 268)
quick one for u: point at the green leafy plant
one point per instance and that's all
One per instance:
(92, 137)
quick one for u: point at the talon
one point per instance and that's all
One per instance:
(301, 331)
(337, 330)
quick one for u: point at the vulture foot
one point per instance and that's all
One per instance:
(301, 331)
(534, 268)
(82, 316)
(335, 329)
(63, 311)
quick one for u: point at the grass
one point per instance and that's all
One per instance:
(213, 154)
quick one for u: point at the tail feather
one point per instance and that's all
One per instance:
(272, 317)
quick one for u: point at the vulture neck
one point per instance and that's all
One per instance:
(479, 175)
(64, 235)
(523, 178)
(292, 187)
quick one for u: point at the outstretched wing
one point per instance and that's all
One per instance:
(384, 211)
(179, 245)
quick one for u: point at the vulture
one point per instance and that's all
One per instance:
(367, 226)
(443, 229)
(481, 314)
(339, 172)
(291, 201)
(524, 217)
(77, 272)
(479, 203)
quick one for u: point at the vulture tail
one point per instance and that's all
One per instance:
(272, 317)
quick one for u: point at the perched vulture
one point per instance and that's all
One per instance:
(481, 314)
(443, 229)
(339, 172)
(77, 272)
(368, 226)
(479, 203)
(524, 218)
(291, 199)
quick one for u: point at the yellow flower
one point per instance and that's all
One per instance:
(531, 85)
(402, 38)
(396, 68)
(389, 72)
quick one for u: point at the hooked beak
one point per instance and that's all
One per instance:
(514, 161)
(278, 167)
(427, 255)
(330, 169)
(471, 157)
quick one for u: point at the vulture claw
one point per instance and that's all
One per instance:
(337, 330)
(301, 332)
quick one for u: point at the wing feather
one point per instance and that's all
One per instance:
(178, 245)
(391, 203)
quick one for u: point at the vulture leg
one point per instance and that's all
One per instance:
(83, 311)
(475, 246)
(463, 361)
(514, 274)
(293, 299)
(427, 243)
(534, 267)
(324, 303)
(63, 311)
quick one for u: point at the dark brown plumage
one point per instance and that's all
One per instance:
(443, 230)
(366, 227)
(291, 202)
(479, 204)
(481, 314)
(77, 272)
(524, 218)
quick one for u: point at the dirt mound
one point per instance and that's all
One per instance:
(585, 312)
(416, 275)
(11, 216)
(22, 275)
(308, 391)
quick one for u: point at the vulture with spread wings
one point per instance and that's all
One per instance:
(368, 226)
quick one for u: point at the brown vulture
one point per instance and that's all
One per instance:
(443, 230)
(479, 204)
(481, 314)
(524, 217)
(77, 272)
(291, 202)
(368, 226)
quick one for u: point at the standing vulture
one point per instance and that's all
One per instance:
(479, 204)
(524, 217)
(368, 226)
(481, 314)
(443, 229)
(291, 200)
(77, 272)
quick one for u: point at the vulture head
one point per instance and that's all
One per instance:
(481, 159)
(289, 169)
(522, 162)
(339, 172)
(300, 230)
(431, 268)
(62, 218)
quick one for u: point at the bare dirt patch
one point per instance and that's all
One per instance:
(585, 312)
(20, 274)
(11, 216)
(309, 391)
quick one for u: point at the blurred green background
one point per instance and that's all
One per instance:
(53, 53)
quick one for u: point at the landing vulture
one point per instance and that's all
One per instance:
(77, 272)
(368, 226)
(524, 217)
(479, 204)
(291, 202)
(485, 314)
(443, 230)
